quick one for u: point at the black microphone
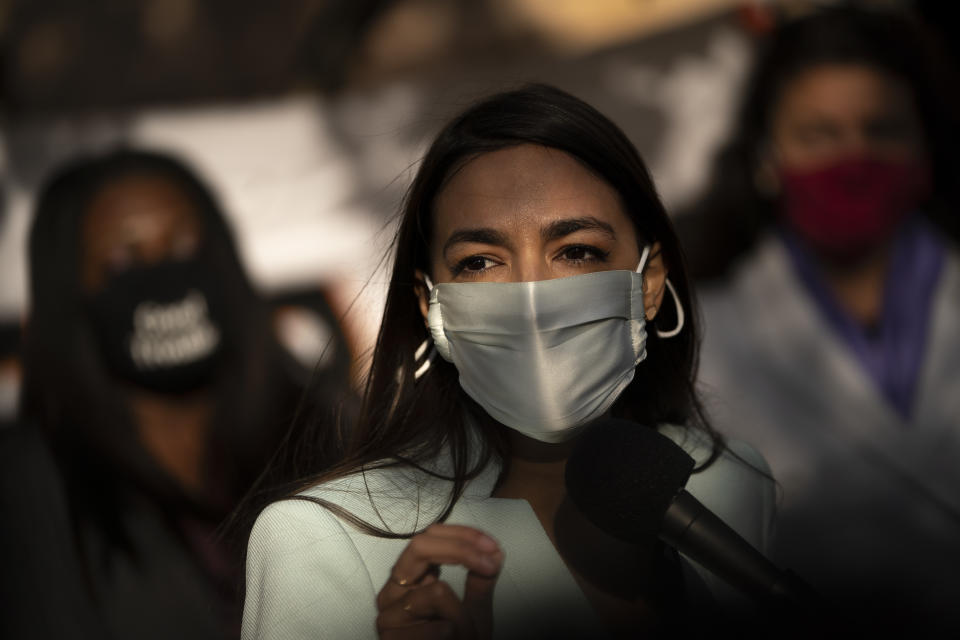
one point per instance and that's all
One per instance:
(628, 480)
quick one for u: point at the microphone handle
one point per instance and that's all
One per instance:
(695, 531)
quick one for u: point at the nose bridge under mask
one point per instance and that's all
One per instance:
(540, 362)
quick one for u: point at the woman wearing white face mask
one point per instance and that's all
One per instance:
(538, 286)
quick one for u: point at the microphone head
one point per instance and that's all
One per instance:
(623, 476)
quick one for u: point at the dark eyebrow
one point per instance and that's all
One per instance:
(483, 236)
(562, 228)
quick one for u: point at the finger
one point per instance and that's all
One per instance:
(393, 590)
(438, 544)
(427, 549)
(478, 599)
(435, 601)
(432, 630)
(479, 587)
(463, 532)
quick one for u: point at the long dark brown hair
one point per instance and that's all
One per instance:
(409, 422)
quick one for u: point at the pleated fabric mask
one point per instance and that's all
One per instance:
(544, 357)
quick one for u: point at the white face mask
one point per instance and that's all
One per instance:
(545, 357)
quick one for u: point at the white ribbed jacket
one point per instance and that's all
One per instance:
(312, 575)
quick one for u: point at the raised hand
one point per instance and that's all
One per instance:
(415, 603)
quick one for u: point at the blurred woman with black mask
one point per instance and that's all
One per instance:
(831, 338)
(152, 374)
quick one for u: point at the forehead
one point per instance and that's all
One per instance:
(526, 184)
(843, 90)
(146, 202)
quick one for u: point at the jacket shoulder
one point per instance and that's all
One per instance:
(303, 572)
(737, 485)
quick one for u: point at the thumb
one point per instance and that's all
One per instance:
(478, 598)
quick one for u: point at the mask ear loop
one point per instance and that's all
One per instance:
(680, 315)
(425, 345)
(643, 259)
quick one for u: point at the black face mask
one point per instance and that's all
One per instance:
(160, 326)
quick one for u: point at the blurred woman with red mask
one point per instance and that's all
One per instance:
(826, 252)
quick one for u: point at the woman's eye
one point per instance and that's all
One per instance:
(583, 253)
(474, 264)
(818, 133)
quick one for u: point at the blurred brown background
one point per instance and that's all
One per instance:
(307, 115)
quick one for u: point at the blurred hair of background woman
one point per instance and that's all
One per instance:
(829, 238)
(154, 379)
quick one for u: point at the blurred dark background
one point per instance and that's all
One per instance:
(308, 117)
(307, 114)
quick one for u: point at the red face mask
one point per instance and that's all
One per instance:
(854, 205)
